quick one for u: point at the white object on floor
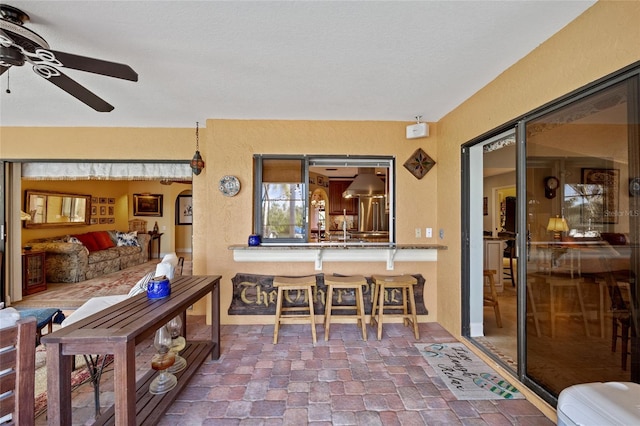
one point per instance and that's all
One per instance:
(91, 306)
(601, 404)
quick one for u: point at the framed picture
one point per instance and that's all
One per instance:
(604, 196)
(103, 200)
(94, 210)
(320, 181)
(147, 204)
(103, 210)
(111, 211)
(111, 220)
(93, 221)
(103, 220)
(184, 210)
(94, 200)
(111, 201)
(485, 206)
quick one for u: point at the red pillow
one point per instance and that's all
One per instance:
(88, 241)
(103, 240)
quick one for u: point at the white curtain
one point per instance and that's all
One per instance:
(106, 171)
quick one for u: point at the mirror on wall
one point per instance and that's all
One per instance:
(56, 209)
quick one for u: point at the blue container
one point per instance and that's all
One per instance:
(254, 240)
(158, 288)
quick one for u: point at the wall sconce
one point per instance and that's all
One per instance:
(557, 225)
(197, 163)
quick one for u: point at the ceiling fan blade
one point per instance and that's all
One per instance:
(75, 89)
(96, 66)
(3, 69)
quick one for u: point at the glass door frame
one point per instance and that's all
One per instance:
(632, 73)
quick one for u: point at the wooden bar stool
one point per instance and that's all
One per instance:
(354, 283)
(403, 282)
(491, 299)
(295, 283)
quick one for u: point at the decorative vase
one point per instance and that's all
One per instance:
(158, 287)
(254, 240)
(155, 228)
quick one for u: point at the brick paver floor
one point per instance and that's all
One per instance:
(344, 381)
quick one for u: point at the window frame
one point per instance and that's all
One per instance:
(308, 161)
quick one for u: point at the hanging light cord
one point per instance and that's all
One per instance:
(8, 90)
(197, 138)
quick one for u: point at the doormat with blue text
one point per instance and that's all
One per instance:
(466, 375)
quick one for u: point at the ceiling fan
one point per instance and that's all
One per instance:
(19, 45)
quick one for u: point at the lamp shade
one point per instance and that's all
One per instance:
(557, 224)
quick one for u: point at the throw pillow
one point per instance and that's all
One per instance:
(141, 286)
(128, 239)
(88, 241)
(113, 234)
(103, 240)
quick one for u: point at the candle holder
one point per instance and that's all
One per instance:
(161, 362)
(178, 343)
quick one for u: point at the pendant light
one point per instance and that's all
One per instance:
(197, 163)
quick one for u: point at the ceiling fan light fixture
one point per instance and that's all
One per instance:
(197, 163)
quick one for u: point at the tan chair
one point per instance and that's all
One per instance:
(305, 284)
(18, 367)
(403, 282)
(491, 299)
(341, 284)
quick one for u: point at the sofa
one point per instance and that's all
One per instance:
(79, 257)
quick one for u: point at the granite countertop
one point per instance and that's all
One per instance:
(337, 245)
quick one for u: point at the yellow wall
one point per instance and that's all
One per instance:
(117, 190)
(600, 41)
(173, 237)
(223, 221)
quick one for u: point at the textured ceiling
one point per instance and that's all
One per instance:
(312, 60)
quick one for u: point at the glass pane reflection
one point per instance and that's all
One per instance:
(580, 280)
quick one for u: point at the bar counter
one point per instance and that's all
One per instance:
(337, 252)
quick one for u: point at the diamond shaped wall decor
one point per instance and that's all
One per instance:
(419, 163)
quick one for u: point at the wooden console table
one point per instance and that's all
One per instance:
(116, 330)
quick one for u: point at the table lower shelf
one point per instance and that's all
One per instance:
(150, 408)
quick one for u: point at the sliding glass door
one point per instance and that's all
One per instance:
(582, 218)
(570, 315)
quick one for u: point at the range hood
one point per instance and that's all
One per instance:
(366, 184)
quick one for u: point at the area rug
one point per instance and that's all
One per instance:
(466, 375)
(70, 296)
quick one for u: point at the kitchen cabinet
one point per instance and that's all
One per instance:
(33, 276)
(337, 204)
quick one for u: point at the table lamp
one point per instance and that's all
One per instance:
(557, 225)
